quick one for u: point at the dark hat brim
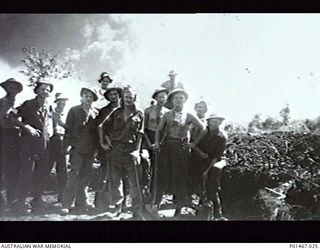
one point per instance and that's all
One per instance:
(220, 118)
(119, 90)
(87, 89)
(59, 99)
(38, 84)
(101, 79)
(6, 83)
(159, 91)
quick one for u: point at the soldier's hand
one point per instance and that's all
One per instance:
(136, 156)
(33, 131)
(188, 146)
(205, 174)
(204, 156)
(155, 147)
(67, 150)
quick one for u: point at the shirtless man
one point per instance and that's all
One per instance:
(152, 115)
(176, 124)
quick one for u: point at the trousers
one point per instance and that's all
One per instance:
(10, 161)
(124, 166)
(32, 176)
(78, 180)
(57, 159)
(174, 173)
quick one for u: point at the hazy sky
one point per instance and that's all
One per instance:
(242, 64)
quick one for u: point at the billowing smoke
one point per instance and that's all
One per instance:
(93, 42)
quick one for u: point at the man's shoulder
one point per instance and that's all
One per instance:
(180, 85)
(106, 109)
(165, 110)
(150, 108)
(116, 111)
(220, 137)
(3, 100)
(191, 116)
(29, 103)
(75, 108)
(165, 84)
(139, 112)
(168, 114)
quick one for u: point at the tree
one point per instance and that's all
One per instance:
(271, 124)
(285, 114)
(41, 64)
(255, 124)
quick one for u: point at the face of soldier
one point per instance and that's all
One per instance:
(214, 124)
(44, 91)
(12, 89)
(61, 104)
(128, 99)
(200, 109)
(87, 98)
(172, 77)
(105, 82)
(161, 98)
(178, 100)
(113, 96)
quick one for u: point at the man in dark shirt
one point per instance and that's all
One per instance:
(123, 130)
(210, 150)
(113, 94)
(37, 128)
(81, 141)
(195, 171)
(10, 139)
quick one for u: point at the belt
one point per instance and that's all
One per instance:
(174, 139)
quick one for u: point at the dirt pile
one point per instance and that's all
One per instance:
(272, 176)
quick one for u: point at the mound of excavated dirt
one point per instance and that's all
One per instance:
(272, 176)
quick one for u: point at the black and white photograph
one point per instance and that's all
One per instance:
(159, 117)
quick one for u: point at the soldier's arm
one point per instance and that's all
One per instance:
(202, 130)
(103, 136)
(69, 126)
(217, 156)
(140, 133)
(146, 120)
(60, 122)
(161, 126)
(16, 122)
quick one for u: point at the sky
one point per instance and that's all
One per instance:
(241, 64)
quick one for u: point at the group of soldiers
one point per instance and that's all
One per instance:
(163, 153)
